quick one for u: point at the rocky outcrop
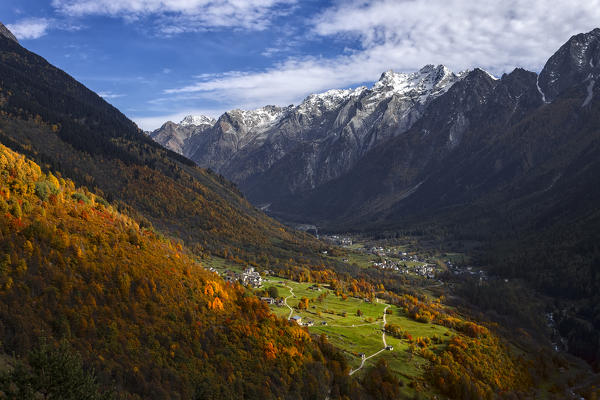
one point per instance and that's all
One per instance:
(296, 148)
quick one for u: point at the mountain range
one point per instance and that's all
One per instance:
(346, 157)
(106, 236)
(273, 151)
(510, 163)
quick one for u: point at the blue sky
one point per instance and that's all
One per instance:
(158, 60)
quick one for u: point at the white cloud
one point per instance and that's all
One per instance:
(404, 35)
(110, 95)
(29, 28)
(35, 28)
(283, 84)
(497, 35)
(178, 16)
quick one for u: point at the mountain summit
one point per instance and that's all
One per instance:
(576, 62)
(279, 151)
(385, 144)
(4, 31)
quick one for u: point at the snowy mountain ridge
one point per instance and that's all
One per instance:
(197, 120)
(423, 85)
(323, 136)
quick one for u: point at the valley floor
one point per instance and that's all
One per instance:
(356, 325)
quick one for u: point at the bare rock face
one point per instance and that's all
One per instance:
(4, 31)
(430, 143)
(297, 148)
(178, 137)
(576, 62)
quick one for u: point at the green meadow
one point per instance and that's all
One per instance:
(350, 332)
(355, 334)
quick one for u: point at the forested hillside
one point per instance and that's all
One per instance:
(64, 126)
(87, 263)
(136, 305)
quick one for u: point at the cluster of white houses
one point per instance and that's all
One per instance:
(269, 300)
(424, 270)
(339, 240)
(298, 319)
(249, 277)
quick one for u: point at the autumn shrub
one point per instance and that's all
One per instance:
(43, 189)
(396, 331)
(15, 209)
(81, 197)
(423, 342)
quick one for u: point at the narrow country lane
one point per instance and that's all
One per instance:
(384, 344)
(285, 300)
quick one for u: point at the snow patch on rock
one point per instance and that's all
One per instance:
(590, 93)
(537, 84)
(197, 120)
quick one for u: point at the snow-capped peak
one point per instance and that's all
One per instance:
(258, 117)
(428, 81)
(330, 99)
(197, 120)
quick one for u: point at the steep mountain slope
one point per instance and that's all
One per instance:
(50, 117)
(575, 62)
(177, 136)
(138, 307)
(402, 168)
(486, 142)
(272, 151)
(7, 33)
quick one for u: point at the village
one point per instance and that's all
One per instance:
(249, 277)
(388, 258)
(402, 262)
(357, 325)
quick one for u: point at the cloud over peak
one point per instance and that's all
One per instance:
(404, 35)
(496, 35)
(29, 28)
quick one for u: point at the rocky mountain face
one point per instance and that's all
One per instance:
(273, 151)
(418, 169)
(576, 61)
(412, 143)
(4, 31)
(177, 137)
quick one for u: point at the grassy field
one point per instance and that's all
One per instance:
(363, 260)
(356, 334)
(350, 332)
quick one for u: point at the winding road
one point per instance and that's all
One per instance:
(346, 326)
(383, 327)
(384, 344)
(285, 301)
